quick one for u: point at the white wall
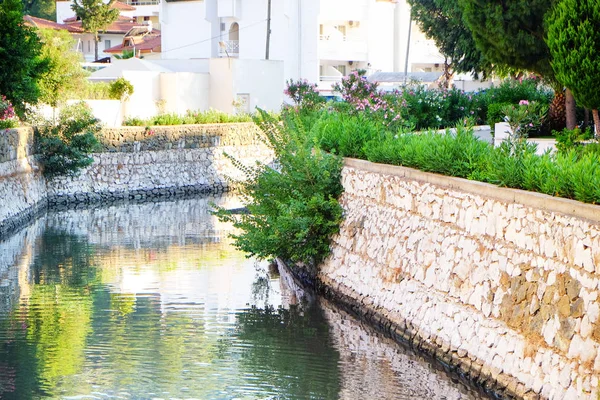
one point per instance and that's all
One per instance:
(262, 81)
(221, 84)
(185, 31)
(182, 91)
(146, 93)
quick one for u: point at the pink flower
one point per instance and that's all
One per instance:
(524, 103)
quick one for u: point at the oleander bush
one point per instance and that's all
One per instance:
(293, 207)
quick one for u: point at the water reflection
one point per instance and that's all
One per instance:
(151, 301)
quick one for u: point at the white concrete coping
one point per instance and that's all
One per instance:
(526, 198)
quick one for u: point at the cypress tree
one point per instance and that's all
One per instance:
(574, 43)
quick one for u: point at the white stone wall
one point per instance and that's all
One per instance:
(135, 163)
(501, 282)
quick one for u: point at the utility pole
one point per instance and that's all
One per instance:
(407, 50)
(268, 29)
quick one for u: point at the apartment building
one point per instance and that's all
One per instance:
(318, 40)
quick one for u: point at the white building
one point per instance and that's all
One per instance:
(319, 40)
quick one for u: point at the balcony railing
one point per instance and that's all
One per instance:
(229, 48)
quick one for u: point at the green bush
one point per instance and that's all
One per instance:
(495, 113)
(64, 147)
(460, 154)
(293, 210)
(569, 139)
(120, 89)
(190, 117)
(345, 135)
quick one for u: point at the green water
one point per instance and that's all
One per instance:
(151, 301)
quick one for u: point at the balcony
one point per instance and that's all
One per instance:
(229, 48)
(342, 48)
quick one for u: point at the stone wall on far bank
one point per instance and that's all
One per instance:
(162, 161)
(502, 283)
(22, 186)
(134, 163)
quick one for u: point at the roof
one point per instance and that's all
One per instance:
(46, 24)
(121, 26)
(140, 39)
(122, 6)
(116, 68)
(398, 77)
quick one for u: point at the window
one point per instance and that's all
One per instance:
(107, 44)
(89, 46)
(342, 69)
(146, 18)
(222, 26)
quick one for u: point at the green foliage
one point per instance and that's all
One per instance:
(460, 154)
(92, 91)
(510, 32)
(570, 139)
(20, 63)
(120, 89)
(524, 117)
(345, 135)
(190, 117)
(64, 147)
(574, 43)
(45, 9)
(441, 21)
(127, 54)
(293, 210)
(95, 16)
(495, 113)
(64, 75)
(572, 173)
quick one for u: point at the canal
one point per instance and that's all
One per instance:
(151, 301)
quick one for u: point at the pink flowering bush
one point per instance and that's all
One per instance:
(8, 118)
(524, 118)
(364, 97)
(304, 94)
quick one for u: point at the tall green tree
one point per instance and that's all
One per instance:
(512, 32)
(95, 16)
(574, 43)
(20, 63)
(441, 21)
(64, 75)
(40, 8)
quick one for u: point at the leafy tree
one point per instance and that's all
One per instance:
(512, 33)
(95, 16)
(442, 22)
(20, 63)
(40, 8)
(64, 75)
(574, 43)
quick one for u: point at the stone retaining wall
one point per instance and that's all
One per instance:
(135, 163)
(501, 283)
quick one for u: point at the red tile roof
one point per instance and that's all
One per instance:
(148, 43)
(122, 6)
(121, 26)
(46, 24)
